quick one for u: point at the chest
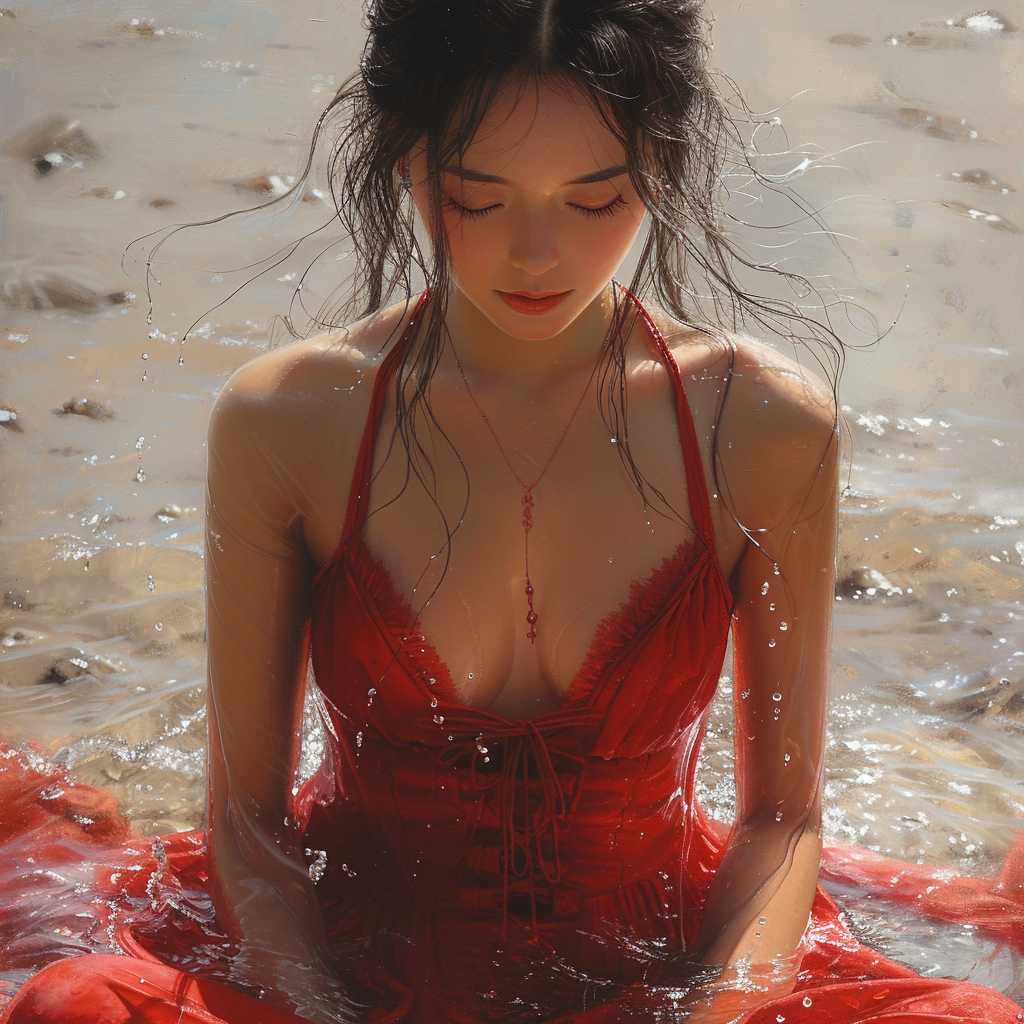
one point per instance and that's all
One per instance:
(513, 553)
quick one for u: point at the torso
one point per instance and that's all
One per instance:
(592, 536)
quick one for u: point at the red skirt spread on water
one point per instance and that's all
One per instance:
(470, 868)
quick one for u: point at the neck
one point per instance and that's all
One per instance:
(485, 350)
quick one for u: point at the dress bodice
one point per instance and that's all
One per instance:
(529, 816)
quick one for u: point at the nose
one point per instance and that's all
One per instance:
(534, 247)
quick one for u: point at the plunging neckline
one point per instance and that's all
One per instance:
(615, 634)
(648, 600)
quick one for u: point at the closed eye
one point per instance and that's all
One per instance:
(601, 211)
(472, 213)
(469, 212)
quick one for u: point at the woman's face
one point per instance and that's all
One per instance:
(541, 211)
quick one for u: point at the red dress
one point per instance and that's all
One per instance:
(473, 868)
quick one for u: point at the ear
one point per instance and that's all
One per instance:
(402, 172)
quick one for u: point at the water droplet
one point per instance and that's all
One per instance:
(433, 702)
(776, 696)
(771, 643)
(439, 719)
(370, 694)
(745, 694)
(786, 758)
(469, 675)
(762, 921)
(431, 680)
(159, 626)
(783, 626)
(771, 607)
(481, 747)
(152, 585)
(808, 1002)
(181, 360)
(145, 355)
(776, 569)
(141, 476)
(359, 738)
(764, 587)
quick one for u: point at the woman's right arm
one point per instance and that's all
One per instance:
(258, 575)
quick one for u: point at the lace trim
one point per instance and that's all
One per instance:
(614, 633)
(401, 621)
(621, 627)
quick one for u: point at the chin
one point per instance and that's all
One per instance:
(532, 332)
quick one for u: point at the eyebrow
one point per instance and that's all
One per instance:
(585, 179)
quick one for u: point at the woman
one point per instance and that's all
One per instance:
(513, 519)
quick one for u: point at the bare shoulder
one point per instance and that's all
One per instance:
(779, 444)
(310, 385)
(773, 419)
(778, 394)
(782, 389)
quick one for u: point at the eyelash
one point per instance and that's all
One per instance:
(468, 212)
(601, 211)
(588, 211)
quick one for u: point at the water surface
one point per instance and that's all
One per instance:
(901, 124)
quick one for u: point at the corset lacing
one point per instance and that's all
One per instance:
(521, 750)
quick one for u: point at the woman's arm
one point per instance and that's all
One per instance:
(778, 469)
(258, 576)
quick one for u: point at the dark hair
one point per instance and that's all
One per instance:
(429, 71)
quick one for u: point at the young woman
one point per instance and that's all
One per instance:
(512, 519)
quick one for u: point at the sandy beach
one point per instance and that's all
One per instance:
(901, 126)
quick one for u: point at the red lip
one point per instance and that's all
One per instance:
(532, 303)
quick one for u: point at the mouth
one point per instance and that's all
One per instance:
(532, 303)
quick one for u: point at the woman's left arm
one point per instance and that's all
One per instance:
(778, 471)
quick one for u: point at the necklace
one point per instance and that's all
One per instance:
(527, 499)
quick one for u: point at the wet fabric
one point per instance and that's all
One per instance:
(472, 868)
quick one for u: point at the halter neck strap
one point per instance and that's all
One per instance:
(359, 494)
(700, 507)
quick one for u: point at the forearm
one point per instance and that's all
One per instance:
(266, 898)
(760, 901)
(756, 913)
(272, 912)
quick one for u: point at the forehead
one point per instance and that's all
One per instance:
(542, 129)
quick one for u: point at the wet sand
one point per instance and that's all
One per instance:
(901, 126)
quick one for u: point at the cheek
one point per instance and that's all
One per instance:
(480, 248)
(605, 243)
(474, 246)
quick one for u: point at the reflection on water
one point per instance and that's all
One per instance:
(899, 127)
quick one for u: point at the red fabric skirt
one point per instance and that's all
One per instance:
(109, 928)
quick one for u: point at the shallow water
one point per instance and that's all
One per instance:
(901, 125)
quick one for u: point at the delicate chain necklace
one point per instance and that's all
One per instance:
(527, 500)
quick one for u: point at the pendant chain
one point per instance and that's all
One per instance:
(528, 499)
